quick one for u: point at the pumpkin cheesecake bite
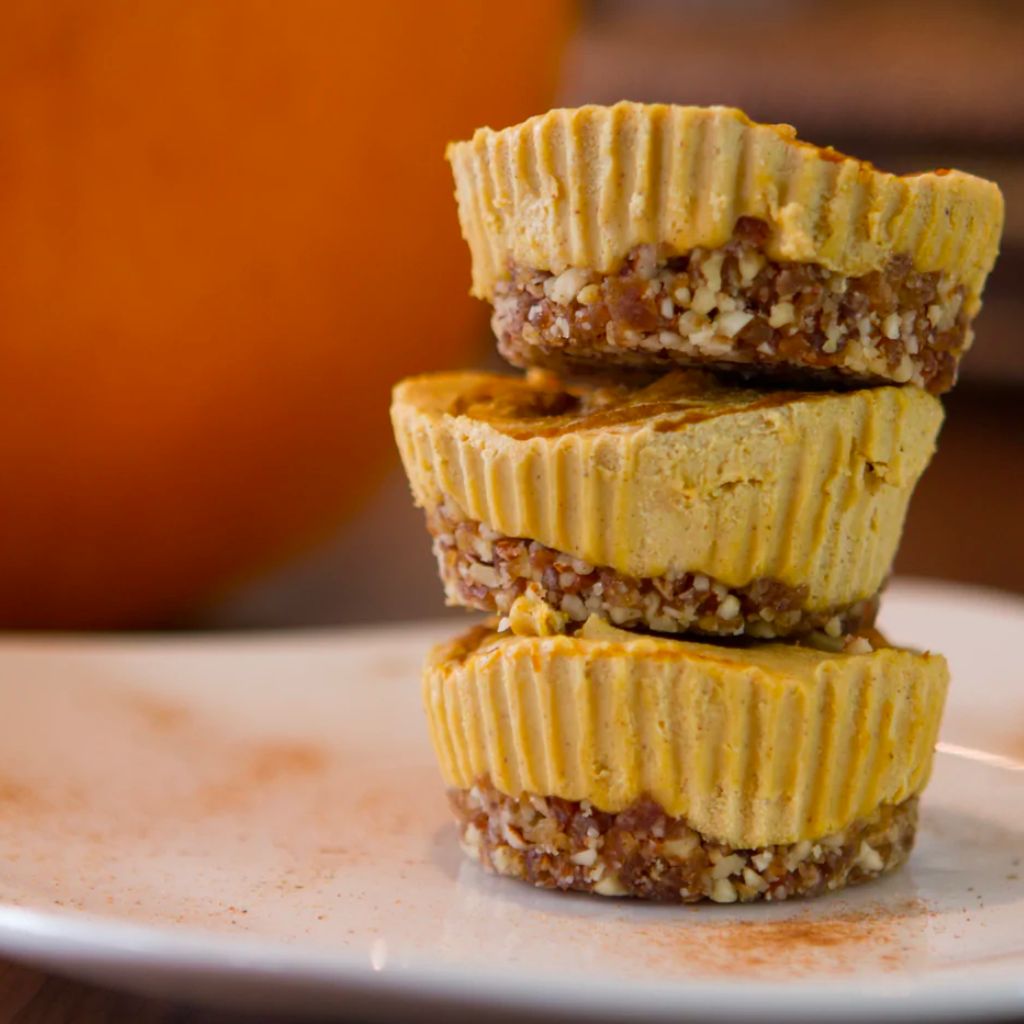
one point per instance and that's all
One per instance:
(630, 765)
(657, 235)
(677, 505)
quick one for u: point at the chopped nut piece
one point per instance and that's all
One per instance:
(609, 885)
(858, 645)
(564, 288)
(730, 324)
(868, 858)
(781, 314)
(681, 848)
(723, 891)
(726, 866)
(754, 881)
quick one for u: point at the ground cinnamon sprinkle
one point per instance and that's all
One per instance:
(162, 716)
(801, 934)
(270, 761)
(840, 942)
(259, 767)
(16, 795)
(1016, 747)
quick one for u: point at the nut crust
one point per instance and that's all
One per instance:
(486, 570)
(642, 852)
(734, 308)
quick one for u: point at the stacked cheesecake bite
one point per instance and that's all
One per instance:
(682, 516)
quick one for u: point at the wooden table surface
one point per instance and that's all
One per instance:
(33, 997)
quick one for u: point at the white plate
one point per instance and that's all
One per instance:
(257, 821)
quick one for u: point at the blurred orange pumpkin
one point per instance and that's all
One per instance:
(225, 229)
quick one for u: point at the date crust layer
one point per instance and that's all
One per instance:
(486, 570)
(733, 308)
(642, 852)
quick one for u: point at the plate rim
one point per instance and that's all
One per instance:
(83, 941)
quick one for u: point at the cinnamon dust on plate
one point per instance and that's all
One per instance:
(875, 936)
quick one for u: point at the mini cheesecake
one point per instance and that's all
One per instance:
(659, 768)
(677, 505)
(656, 235)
